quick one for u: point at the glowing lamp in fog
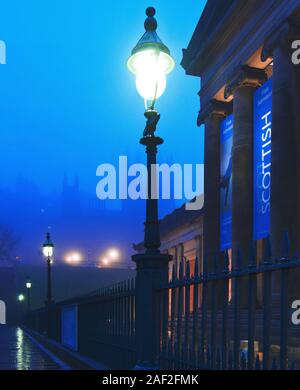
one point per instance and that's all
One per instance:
(73, 258)
(28, 284)
(150, 61)
(21, 297)
(48, 251)
(105, 261)
(48, 247)
(113, 254)
(150, 69)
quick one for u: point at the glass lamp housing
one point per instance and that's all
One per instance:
(150, 61)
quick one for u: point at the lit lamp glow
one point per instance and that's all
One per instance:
(104, 261)
(150, 62)
(73, 258)
(113, 254)
(48, 247)
(21, 297)
(28, 284)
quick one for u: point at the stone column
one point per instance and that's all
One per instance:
(285, 171)
(242, 87)
(212, 115)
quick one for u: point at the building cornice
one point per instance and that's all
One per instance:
(238, 39)
(195, 51)
(289, 30)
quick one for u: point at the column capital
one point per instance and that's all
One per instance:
(214, 108)
(287, 31)
(245, 76)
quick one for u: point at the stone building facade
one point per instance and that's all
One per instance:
(236, 48)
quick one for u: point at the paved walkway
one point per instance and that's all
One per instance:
(19, 352)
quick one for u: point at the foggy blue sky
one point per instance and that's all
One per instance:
(68, 102)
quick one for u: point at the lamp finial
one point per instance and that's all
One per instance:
(150, 23)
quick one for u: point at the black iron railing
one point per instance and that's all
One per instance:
(205, 324)
(105, 324)
(204, 320)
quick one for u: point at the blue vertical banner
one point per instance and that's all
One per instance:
(262, 146)
(226, 137)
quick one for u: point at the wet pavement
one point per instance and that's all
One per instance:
(19, 352)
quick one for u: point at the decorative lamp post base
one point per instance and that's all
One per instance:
(152, 273)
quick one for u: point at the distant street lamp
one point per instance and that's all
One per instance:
(73, 258)
(21, 298)
(48, 248)
(28, 287)
(105, 261)
(113, 254)
(150, 61)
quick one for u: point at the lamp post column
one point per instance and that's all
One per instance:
(152, 266)
(28, 300)
(152, 235)
(49, 281)
(48, 253)
(150, 62)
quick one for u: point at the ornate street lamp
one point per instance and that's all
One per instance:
(48, 248)
(150, 61)
(28, 288)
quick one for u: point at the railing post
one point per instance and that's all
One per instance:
(225, 311)
(195, 310)
(251, 308)
(284, 304)
(236, 313)
(152, 274)
(179, 317)
(187, 313)
(213, 316)
(173, 308)
(267, 294)
(203, 313)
